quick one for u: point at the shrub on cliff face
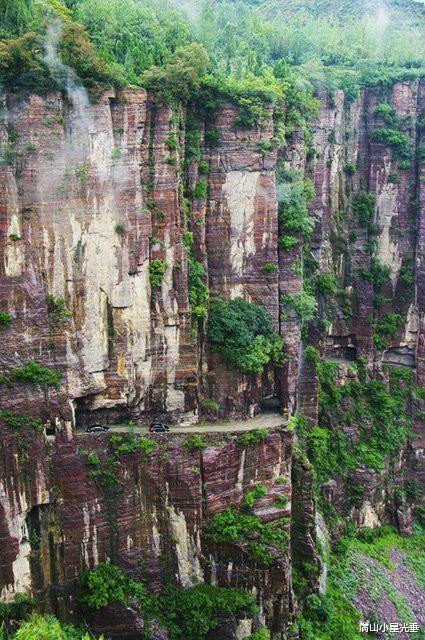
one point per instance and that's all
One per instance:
(389, 115)
(49, 628)
(325, 284)
(103, 585)
(388, 326)
(303, 303)
(200, 190)
(287, 242)
(187, 614)
(33, 373)
(254, 437)
(262, 634)
(258, 536)
(191, 614)
(198, 290)
(19, 609)
(363, 207)
(242, 333)
(56, 308)
(295, 195)
(157, 269)
(195, 441)
(377, 274)
(15, 421)
(5, 319)
(384, 409)
(399, 143)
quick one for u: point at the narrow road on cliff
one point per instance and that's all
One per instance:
(262, 421)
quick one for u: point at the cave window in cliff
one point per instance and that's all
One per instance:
(270, 404)
(50, 428)
(344, 351)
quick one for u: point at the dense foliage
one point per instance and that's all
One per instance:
(244, 37)
(250, 531)
(254, 52)
(49, 628)
(5, 319)
(380, 413)
(295, 194)
(187, 614)
(33, 373)
(34, 627)
(242, 333)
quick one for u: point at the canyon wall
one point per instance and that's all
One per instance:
(89, 205)
(90, 201)
(149, 518)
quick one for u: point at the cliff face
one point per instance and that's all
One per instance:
(91, 202)
(91, 198)
(347, 138)
(149, 515)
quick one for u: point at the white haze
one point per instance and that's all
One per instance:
(64, 74)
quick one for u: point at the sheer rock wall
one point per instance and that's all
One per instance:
(87, 205)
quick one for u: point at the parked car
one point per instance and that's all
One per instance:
(159, 427)
(97, 428)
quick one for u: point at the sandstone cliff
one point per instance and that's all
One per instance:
(89, 200)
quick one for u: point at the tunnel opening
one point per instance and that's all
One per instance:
(270, 404)
(86, 415)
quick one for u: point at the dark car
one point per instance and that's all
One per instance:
(159, 427)
(97, 428)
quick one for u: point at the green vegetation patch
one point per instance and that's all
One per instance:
(157, 269)
(33, 373)
(19, 609)
(258, 536)
(5, 319)
(378, 274)
(242, 333)
(363, 205)
(400, 144)
(187, 614)
(252, 496)
(210, 406)
(195, 441)
(128, 443)
(380, 413)
(387, 327)
(362, 563)
(254, 437)
(294, 194)
(49, 628)
(32, 626)
(15, 421)
(303, 303)
(56, 308)
(198, 290)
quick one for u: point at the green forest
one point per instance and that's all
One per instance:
(258, 47)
